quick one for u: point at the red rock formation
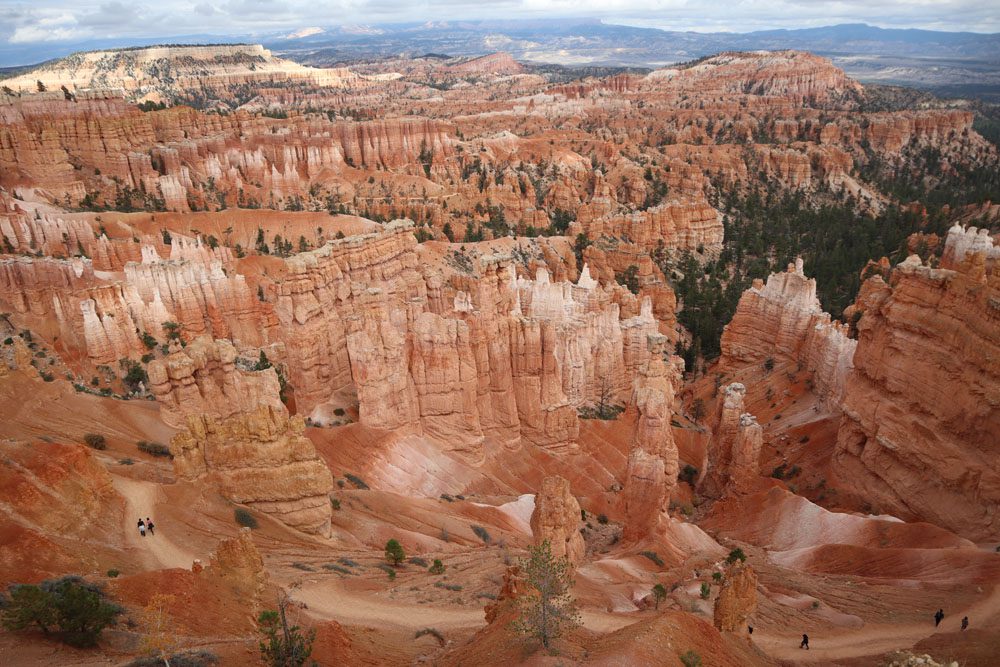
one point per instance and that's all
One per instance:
(732, 460)
(493, 63)
(652, 465)
(920, 420)
(512, 588)
(260, 459)
(238, 565)
(556, 518)
(203, 379)
(737, 598)
(783, 320)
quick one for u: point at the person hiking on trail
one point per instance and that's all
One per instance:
(938, 617)
(149, 525)
(142, 528)
(965, 622)
(805, 642)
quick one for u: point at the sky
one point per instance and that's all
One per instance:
(67, 21)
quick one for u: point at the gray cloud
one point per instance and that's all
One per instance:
(78, 20)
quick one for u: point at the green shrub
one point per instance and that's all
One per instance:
(691, 659)
(348, 562)
(416, 560)
(356, 481)
(126, 461)
(335, 504)
(198, 658)
(602, 519)
(95, 441)
(450, 587)
(445, 496)
(706, 590)
(736, 555)
(388, 570)
(113, 573)
(245, 518)
(79, 609)
(659, 594)
(338, 412)
(305, 567)
(437, 567)
(154, 449)
(716, 577)
(333, 567)
(688, 474)
(482, 534)
(653, 556)
(394, 552)
(769, 364)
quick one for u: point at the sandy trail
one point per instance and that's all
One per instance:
(875, 639)
(331, 600)
(158, 551)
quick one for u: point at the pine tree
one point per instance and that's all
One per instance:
(549, 611)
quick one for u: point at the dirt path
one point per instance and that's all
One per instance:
(331, 600)
(875, 639)
(158, 551)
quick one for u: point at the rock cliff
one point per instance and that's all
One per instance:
(922, 406)
(260, 459)
(783, 320)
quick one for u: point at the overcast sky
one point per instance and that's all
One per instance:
(25, 23)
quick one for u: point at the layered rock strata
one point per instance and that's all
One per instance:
(922, 408)
(260, 459)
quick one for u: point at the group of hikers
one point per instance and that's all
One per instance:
(145, 526)
(938, 617)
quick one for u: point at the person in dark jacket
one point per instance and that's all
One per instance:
(965, 622)
(938, 617)
(805, 642)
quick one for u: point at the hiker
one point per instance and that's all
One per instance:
(750, 629)
(938, 617)
(965, 622)
(142, 528)
(805, 642)
(149, 525)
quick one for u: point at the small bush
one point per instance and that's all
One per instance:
(388, 570)
(245, 518)
(304, 566)
(79, 609)
(659, 594)
(691, 659)
(95, 441)
(706, 590)
(333, 567)
(688, 474)
(804, 439)
(394, 552)
(335, 504)
(450, 587)
(736, 555)
(716, 577)
(437, 567)
(433, 632)
(197, 658)
(126, 462)
(338, 412)
(602, 519)
(417, 560)
(769, 364)
(356, 481)
(154, 449)
(482, 534)
(653, 556)
(113, 573)
(445, 496)
(348, 562)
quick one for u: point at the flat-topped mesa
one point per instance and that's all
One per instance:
(203, 379)
(141, 72)
(783, 319)
(653, 461)
(793, 74)
(261, 459)
(919, 431)
(737, 599)
(732, 461)
(556, 518)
